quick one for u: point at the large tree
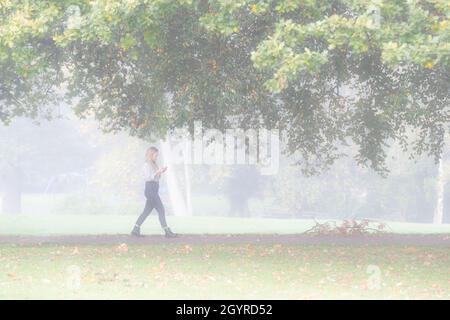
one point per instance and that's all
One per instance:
(327, 73)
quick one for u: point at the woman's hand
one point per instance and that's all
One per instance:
(162, 170)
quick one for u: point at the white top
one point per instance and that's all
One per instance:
(149, 172)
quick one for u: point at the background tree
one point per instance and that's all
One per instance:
(328, 73)
(32, 155)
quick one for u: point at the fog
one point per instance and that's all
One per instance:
(67, 166)
(224, 149)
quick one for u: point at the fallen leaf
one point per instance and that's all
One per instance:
(122, 247)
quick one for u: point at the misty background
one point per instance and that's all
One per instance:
(68, 166)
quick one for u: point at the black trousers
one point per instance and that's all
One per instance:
(153, 202)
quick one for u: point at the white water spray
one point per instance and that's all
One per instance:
(177, 201)
(187, 180)
(439, 211)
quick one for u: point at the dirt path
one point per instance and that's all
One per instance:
(292, 239)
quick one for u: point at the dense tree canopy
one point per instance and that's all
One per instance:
(326, 72)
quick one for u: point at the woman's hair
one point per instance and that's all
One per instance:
(151, 150)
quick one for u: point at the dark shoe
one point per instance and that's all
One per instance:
(170, 234)
(136, 232)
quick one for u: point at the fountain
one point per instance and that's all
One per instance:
(439, 211)
(180, 206)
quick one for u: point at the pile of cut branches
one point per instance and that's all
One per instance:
(349, 227)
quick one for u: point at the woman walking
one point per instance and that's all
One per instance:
(152, 174)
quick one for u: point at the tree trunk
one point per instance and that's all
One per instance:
(12, 190)
(439, 210)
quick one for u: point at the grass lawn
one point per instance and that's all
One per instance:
(223, 272)
(122, 224)
(214, 271)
